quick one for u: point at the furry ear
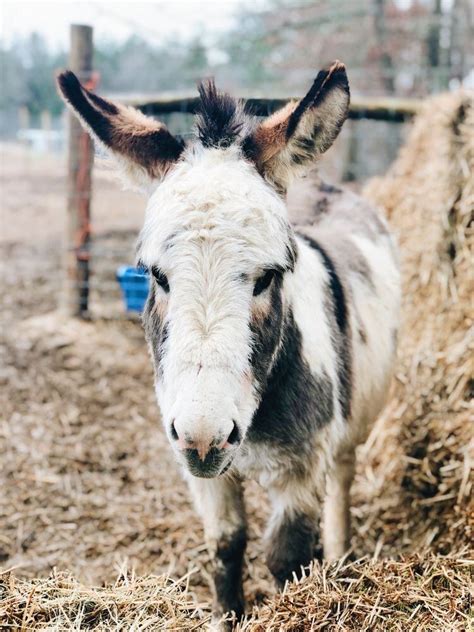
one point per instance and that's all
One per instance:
(143, 147)
(288, 142)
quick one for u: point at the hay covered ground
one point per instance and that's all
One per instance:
(413, 593)
(90, 491)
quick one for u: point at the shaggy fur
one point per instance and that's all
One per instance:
(273, 349)
(220, 119)
(129, 134)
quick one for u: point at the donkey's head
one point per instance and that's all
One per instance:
(218, 245)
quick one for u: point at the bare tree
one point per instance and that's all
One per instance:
(381, 36)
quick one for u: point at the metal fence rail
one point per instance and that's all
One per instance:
(390, 109)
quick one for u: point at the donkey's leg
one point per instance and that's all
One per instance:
(293, 534)
(337, 519)
(220, 503)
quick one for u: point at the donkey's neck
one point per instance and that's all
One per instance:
(287, 415)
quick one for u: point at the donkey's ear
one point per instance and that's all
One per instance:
(141, 145)
(288, 142)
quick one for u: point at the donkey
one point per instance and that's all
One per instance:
(273, 343)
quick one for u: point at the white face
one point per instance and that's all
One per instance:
(217, 241)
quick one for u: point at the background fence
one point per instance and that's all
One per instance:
(366, 116)
(397, 52)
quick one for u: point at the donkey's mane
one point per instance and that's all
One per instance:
(221, 120)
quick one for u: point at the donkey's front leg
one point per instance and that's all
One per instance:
(220, 503)
(294, 532)
(337, 517)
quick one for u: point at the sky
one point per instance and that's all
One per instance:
(118, 20)
(153, 19)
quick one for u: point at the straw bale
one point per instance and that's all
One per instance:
(414, 485)
(415, 593)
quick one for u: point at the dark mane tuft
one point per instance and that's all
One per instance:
(220, 118)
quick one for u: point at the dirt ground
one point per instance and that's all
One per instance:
(88, 483)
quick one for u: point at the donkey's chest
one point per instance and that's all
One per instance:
(266, 464)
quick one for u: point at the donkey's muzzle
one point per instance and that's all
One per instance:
(213, 464)
(207, 456)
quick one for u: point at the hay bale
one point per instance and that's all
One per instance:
(414, 487)
(423, 593)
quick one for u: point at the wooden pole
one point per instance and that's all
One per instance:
(81, 153)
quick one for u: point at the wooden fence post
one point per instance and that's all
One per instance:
(81, 154)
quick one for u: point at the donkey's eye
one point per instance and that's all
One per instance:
(160, 278)
(263, 282)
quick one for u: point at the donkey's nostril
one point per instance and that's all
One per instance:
(234, 436)
(174, 434)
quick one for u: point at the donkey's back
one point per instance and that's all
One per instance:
(347, 251)
(357, 239)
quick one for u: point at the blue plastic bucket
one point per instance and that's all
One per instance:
(134, 283)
